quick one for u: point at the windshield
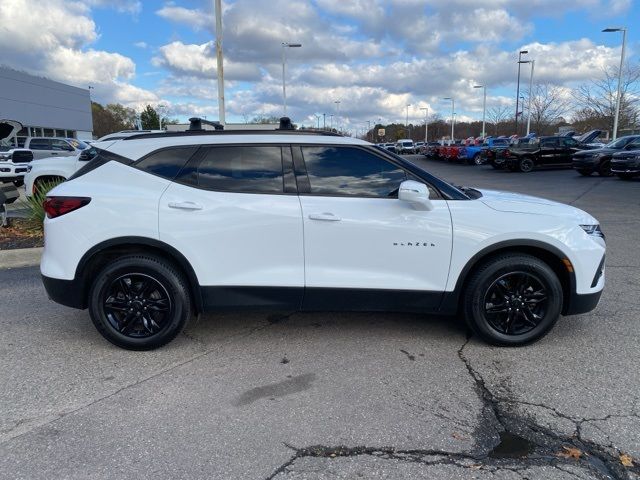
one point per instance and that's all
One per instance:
(620, 143)
(407, 144)
(77, 144)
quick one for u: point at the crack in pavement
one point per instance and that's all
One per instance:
(497, 416)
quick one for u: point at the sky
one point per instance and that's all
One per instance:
(373, 56)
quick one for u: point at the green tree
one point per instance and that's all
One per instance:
(112, 118)
(149, 118)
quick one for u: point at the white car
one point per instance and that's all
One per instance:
(14, 162)
(158, 228)
(60, 168)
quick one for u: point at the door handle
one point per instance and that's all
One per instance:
(54, 153)
(326, 217)
(185, 205)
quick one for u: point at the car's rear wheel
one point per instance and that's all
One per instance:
(512, 300)
(604, 170)
(584, 172)
(526, 165)
(139, 302)
(477, 159)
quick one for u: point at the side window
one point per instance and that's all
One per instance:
(166, 163)
(60, 145)
(569, 142)
(548, 143)
(40, 144)
(240, 169)
(351, 171)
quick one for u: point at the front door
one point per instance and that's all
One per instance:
(364, 248)
(238, 223)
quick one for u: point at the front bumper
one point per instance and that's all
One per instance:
(582, 303)
(585, 163)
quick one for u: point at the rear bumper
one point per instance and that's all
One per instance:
(70, 293)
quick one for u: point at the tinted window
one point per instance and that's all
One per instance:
(548, 142)
(166, 163)
(569, 142)
(241, 169)
(59, 145)
(351, 171)
(40, 144)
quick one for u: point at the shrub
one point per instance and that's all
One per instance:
(35, 203)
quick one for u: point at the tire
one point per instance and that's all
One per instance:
(604, 170)
(526, 165)
(477, 159)
(499, 277)
(497, 166)
(584, 172)
(138, 283)
(625, 176)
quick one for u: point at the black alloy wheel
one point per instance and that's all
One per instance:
(512, 299)
(526, 165)
(515, 303)
(137, 305)
(140, 302)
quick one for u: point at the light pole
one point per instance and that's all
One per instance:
(318, 118)
(453, 106)
(520, 53)
(337, 102)
(619, 96)
(426, 123)
(331, 122)
(219, 60)
(484, 107)
(160, 108)
(324, 121)
(533, 63)
(286, 45)
(368, 128)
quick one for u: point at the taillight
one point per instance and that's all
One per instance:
(57, 206)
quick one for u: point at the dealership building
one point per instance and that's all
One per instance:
(44, 107)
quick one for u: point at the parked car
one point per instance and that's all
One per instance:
(626, 165)
(405, 146)
(431, 149)
(586, 162)
(56, 169)
(14, 162)
(547, 152)
(491, 150)
(390, 146)
(160, 227)
(45, 147)
(418, 147)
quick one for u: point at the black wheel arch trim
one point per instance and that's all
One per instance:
(451, 300)
(133, 241)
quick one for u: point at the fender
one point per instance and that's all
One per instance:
(167, 250)
(451, 299)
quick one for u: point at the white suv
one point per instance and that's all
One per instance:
(158, 228)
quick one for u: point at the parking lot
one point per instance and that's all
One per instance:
(335, 395)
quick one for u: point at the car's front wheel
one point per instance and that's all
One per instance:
(139, 302)
(512, 300)
(526, 165)
(604, 170)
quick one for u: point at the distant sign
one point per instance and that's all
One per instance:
(381, 132)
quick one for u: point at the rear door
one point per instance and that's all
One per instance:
(234, 213)
(364, 248)
(61, 148)
(568, 146)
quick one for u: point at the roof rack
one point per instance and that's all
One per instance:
(195, 129)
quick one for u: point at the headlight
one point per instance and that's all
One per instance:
(5, 156)
(594, 230)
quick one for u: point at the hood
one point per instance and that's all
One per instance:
(589, 136)
(9, 128)
(595, 151)
(518, 203)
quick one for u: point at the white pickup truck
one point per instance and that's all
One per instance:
(14, 162)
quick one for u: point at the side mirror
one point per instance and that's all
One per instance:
(416, 193)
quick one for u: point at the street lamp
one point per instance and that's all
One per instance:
(337, 102)
(407, 122)
(484, 107)
(619, 96)
(533, 64)
(160, 108)
(453, 105)
(426, 123)
(286, 45)
(520, 53)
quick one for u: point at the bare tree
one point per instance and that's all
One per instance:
(597, 99)
(549, 106)
(497, 115)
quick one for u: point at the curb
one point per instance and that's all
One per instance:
(20, 257)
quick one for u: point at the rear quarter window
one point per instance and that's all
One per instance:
(166, 163)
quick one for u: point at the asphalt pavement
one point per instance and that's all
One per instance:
(334, 395)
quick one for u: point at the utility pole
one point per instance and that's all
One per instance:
(337, 102)
(484, 108)
(616, 118)
(218, 5)
(318, 118)
(533, 64)
(324, 121)
(453, 112)
(520, 53)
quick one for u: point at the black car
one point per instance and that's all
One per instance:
(553, 151)
(598, 160)
(626, 165)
